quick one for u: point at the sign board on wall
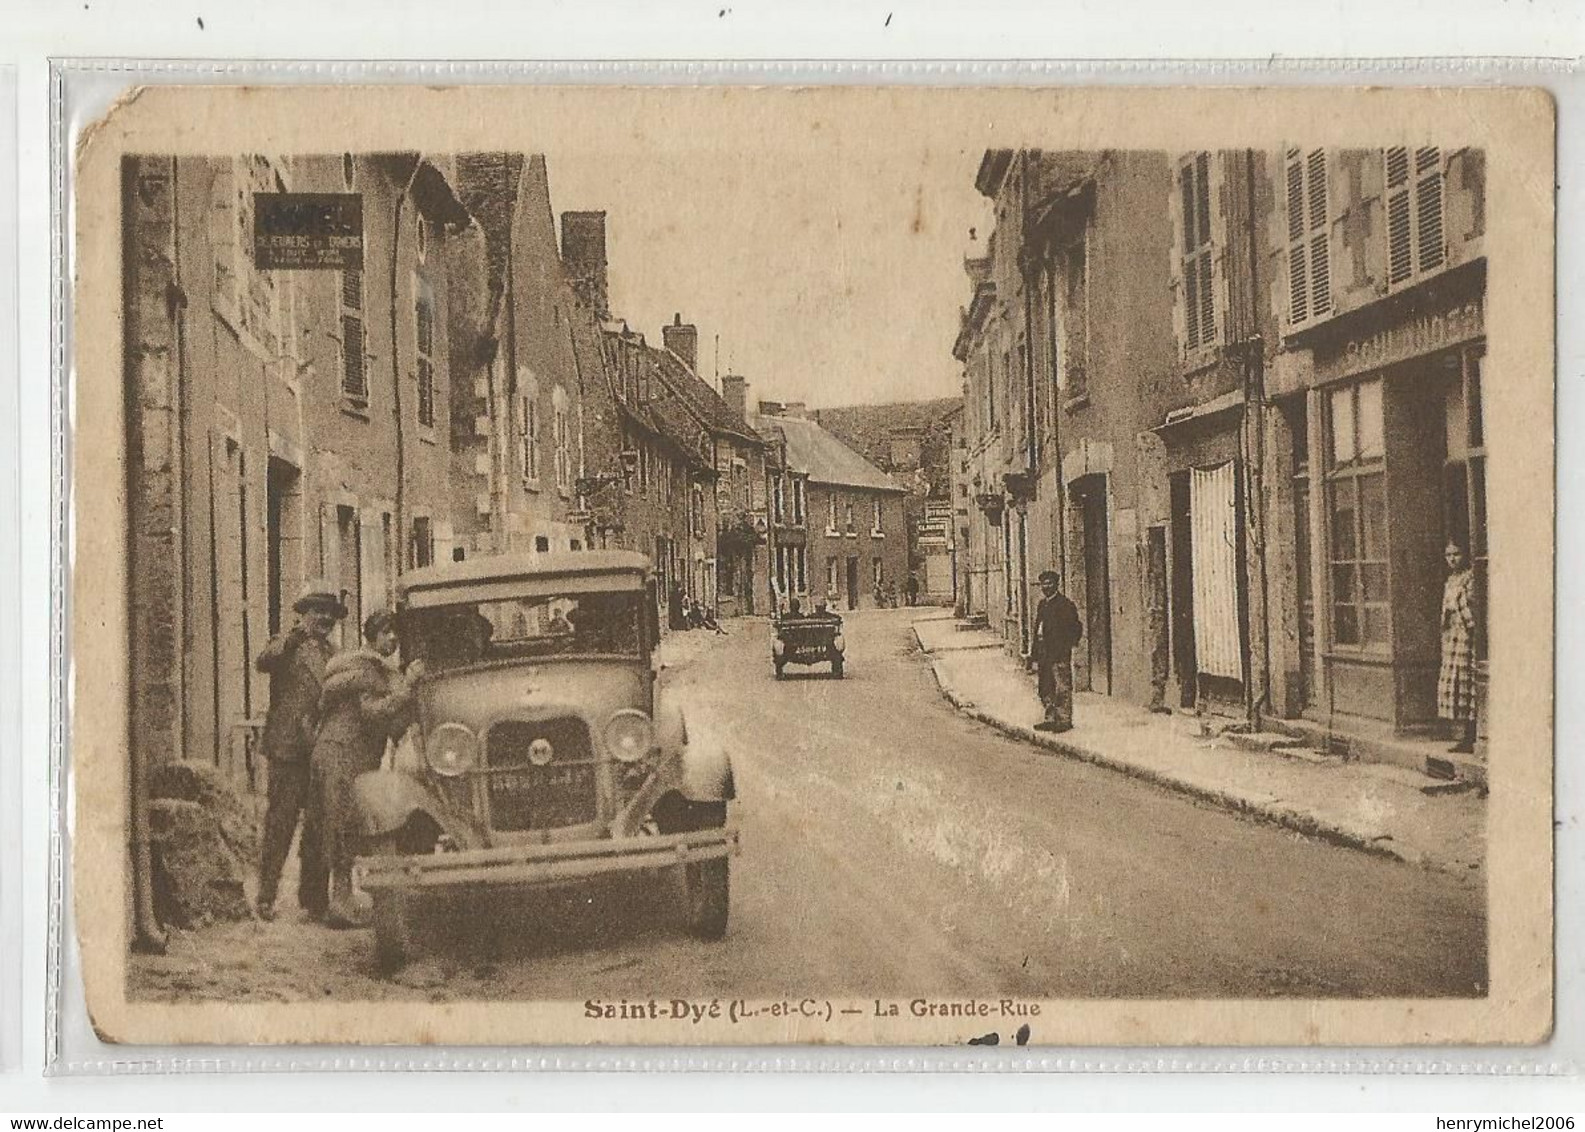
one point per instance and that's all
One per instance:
(308, 231)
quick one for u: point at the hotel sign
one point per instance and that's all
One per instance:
(1402, 341)
(307, 231)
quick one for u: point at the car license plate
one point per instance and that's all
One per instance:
(533, 780)
(547, 797)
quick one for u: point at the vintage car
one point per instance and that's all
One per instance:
(543, 755)
(808, 638)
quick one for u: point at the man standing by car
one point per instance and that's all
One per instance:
(1057, 630)
(295, 662)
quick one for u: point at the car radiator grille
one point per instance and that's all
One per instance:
(528, 797)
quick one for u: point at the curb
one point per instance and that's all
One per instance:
(1298, 821)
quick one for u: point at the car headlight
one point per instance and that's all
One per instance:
(629, 735)
(837, 643)
(451, 749)
(778, 646)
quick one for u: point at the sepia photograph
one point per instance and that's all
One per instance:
(744, 566)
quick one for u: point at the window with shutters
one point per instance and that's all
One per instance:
(528, 427)
(561, 434)
(421, 540)
(1075, 345)
(1309, 249)
(424, 320)
(354, 372)
(1197, 255)
(1415, 238)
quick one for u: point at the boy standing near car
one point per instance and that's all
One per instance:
(1057, 630)
(295, 663)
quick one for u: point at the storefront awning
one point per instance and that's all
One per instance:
(1188, 414)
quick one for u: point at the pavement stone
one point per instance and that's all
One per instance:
(1372, 807)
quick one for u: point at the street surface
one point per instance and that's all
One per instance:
(892, 847)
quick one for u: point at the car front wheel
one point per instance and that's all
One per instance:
(709, 896)
(836, 667)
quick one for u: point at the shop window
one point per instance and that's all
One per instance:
(1356, 493)
(1464, 476)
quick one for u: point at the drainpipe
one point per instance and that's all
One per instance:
(396, 374)
(1258, 689)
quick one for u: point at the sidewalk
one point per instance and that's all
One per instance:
(1379, 808)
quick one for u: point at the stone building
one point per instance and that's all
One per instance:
(282, 424)
(1234, 397)
(521, 373)
(911, 442)
(842, 538)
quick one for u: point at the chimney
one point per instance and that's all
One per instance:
(734, 391)
(583, 253)
(682, 339)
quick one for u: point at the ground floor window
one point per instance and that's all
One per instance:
(833, 576)
(1464, 475)
(877, 575)
(1356, 499)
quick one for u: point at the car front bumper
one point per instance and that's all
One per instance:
(541, 865)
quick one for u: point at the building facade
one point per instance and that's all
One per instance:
(284, 425)
(1233, 397)
(911, 442)
(843, 538)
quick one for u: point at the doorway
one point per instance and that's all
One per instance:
(853, 583)
(1089, 494)
(283, 536)
(1184, 664)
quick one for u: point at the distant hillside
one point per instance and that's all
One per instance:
(910, 439)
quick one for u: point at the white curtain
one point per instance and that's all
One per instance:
(1213, 513)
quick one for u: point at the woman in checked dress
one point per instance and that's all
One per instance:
(1455, 684)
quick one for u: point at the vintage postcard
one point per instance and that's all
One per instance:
(574, 565)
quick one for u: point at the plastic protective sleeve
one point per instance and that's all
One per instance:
(83, 89)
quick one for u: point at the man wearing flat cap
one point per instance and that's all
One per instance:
(295, 662)
(1057, 630)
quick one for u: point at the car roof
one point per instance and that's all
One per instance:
(493, 568)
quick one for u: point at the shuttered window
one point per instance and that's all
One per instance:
(1196, 294)
(1309, 252)
(424, 320)
(1415, 245)
(354, 378)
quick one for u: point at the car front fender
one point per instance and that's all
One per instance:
(386, 800)
(707, 773)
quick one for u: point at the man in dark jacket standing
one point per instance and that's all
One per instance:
(295, 662)
(1057, 630)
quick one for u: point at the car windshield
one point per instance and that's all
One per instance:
(483, 632)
